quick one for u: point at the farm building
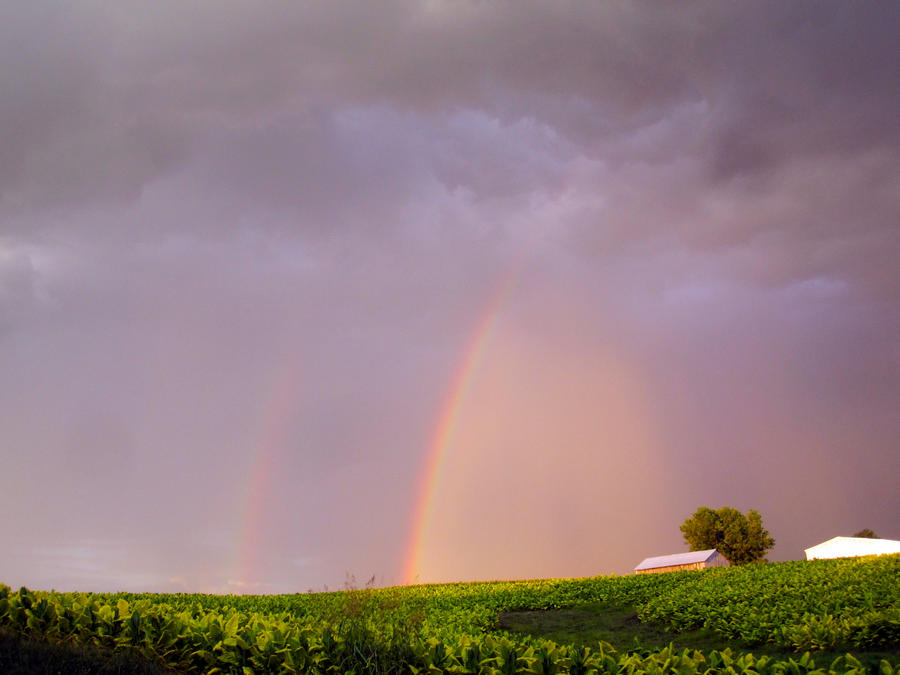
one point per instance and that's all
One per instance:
(695, 560)
(850, 547)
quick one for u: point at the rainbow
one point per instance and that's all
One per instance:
(275, 429)
(441, 438)
(267, 453)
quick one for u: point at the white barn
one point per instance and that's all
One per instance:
(694, 560)
(850, 547)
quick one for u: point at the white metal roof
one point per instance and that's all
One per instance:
(676, 559)
(850, 547)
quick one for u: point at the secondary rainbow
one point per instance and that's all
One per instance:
(267, 453)
(442, 437)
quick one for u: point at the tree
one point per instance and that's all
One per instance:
(866, 534)
(740, 538)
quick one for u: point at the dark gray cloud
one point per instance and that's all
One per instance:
(694, 213)
(114, 98)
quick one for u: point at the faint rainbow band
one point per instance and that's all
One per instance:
(442, 436)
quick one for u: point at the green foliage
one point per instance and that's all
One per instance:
(866, 533)
(740, 538)
(452, 628)
(36, 656)
(827, 604)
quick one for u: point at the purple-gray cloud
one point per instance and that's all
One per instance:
(196, 199)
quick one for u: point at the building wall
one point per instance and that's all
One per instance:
(674, 568)
(851, 547)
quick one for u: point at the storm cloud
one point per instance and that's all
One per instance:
(244, 249)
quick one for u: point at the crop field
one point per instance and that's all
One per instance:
(796, 617)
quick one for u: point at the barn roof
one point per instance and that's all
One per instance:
(676, 559)
(842, 547)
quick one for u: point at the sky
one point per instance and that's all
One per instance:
(300, 294)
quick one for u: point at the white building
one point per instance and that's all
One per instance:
(695, 560)
(850, 547)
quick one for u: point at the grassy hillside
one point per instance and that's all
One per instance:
(784, 617)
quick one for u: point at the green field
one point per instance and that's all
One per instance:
(796, 617)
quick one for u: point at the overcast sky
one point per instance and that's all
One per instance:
(245, 247)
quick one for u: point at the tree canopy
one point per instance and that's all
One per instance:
(866, 534)
(740, 538)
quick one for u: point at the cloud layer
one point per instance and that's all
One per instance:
(199, 203)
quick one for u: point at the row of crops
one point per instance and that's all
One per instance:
(851, 604)
(805, 605)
